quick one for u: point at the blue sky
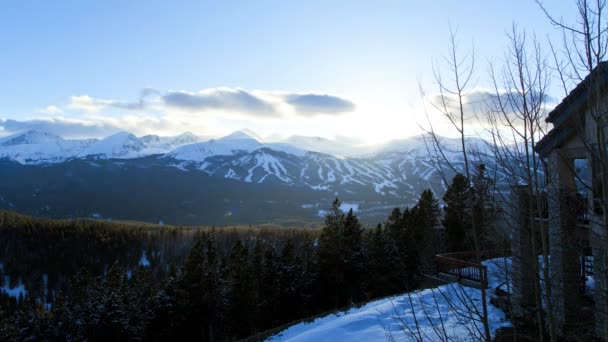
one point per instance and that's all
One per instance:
(324, 68)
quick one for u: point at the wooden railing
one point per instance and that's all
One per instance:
(461, 269)
(464, 265)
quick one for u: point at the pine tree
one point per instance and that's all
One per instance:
(213, 296)
(341, 257)
(165, 323)
(241, 313)
(425, 217)
(139, 303)
(268, 291)
(481, 206)
(190, 294)
(112, 315)
(409, 250)
(355, 258)
(457, 214)
(400, 248)
(290, 273)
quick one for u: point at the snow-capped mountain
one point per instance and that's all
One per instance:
(397, 169)
(394, 174)
(239, 170)
(321, 145)
(35, 147)
(156, 144)
(238, 141)
(119, 145)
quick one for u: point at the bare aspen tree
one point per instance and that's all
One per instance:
(516, 123)
(453, 84)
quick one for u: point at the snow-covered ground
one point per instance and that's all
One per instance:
(438, 312)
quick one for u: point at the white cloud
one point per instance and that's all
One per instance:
(480, 100)
(51, 109)
(313, 104)
(211, 111)
(226, 100)
(97, 126)
(88, 104)
(479, 105)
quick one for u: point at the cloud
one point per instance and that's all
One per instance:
(480, 101)
(148, 97)
(96, 126)
(52, 109)
(237, 100)
(207, 112)
(60, 126)
(89, 104)
(485, 111)
(231, 100)
(313, 104)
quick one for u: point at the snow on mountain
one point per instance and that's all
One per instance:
(119, 145)
(242, 156)
(238, 141)
(423, 144)
(35, 147)
(397, 169)
(287, 148)
(242, 134)
(396, 175)
(29, 138)
(155, 144)
(321, 145)
(416, 144)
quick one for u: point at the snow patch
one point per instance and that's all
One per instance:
(319, 187)
(143, 261)
(395, 318)
(385, 184)
(231, 174)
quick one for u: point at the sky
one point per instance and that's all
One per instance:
(348, 70)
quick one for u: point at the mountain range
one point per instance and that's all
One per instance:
(311, 170)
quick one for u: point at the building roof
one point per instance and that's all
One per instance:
(553, 139)
(567, 109)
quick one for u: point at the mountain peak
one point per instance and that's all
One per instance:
(29, 137)
(187, 134)
(186, 137)
(121, 135)
(242, 134)
(121, 144)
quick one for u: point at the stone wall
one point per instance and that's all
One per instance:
(522, 254)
